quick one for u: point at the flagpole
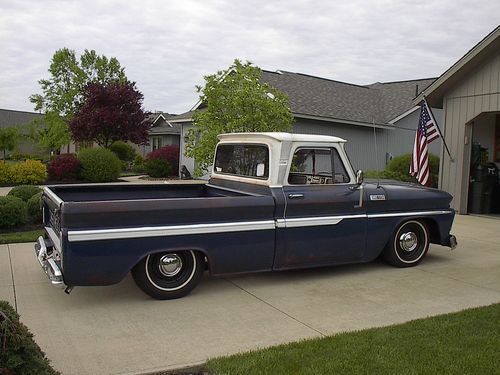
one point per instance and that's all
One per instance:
(439, 130)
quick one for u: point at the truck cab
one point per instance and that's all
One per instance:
(314, 187)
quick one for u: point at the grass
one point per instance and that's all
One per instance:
(20, 236)
(467, 342)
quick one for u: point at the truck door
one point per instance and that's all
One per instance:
(323, 223)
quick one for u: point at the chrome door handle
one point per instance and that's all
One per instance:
(295, 196)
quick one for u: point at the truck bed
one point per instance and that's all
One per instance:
(118, 192)
(131, 205)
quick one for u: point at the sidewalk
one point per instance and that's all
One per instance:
(119, 330)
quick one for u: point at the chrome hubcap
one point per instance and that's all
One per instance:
(170, 265)
(408, 241)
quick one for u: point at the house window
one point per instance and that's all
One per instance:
(156, 143)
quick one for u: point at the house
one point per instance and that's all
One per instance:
(162, 133)
(10, 118)
(378, 120)
(469, 95)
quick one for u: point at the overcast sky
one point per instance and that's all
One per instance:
(167, 46)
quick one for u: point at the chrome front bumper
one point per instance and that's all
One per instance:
(47, 262)
(453, 241)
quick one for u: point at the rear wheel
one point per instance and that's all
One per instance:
(169, 275)
(408, 245)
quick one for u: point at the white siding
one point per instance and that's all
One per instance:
(479, 92)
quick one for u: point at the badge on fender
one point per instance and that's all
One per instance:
(377, 197)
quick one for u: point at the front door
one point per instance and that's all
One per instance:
(323, 222)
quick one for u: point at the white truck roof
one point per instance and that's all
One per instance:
(281, 137)
(281, 148)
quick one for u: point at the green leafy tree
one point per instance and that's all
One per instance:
(63, 93)
(8, 139)
(235, 100)
(50, 131)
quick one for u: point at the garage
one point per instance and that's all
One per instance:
(469, 94)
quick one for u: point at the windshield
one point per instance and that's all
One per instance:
(246, 160)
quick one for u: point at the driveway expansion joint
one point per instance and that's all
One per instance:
(277, 309)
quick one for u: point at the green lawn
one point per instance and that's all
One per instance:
(22, 236)
(467, 342)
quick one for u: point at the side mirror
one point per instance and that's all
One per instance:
(359, 177)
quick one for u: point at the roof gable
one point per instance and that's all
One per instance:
(481, 51)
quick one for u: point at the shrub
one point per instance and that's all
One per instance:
(399, 169)
(24, 192)
(21, 354)
(30, 172)
(34, 206)
(158, 168)
(6, 174)
(21, 157)
(64, 167)
(13, 211)
(138, 164)
(124, 151)
(169, 165)
(99, 165)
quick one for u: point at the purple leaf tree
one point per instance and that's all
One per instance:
(111, 112)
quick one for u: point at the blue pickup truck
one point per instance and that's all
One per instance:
(275, 201)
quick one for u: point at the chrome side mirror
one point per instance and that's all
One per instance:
(359, 186)
(359, 177)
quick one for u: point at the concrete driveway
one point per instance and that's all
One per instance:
(119, 330)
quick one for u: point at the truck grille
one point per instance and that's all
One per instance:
(55, 220)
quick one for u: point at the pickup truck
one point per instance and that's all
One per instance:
(274, 201)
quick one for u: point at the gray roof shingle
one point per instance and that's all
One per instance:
(10, 117)
(320, 97)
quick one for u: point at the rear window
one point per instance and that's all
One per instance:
(243, 160)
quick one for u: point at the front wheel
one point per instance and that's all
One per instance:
(169, 275)
(408, 245)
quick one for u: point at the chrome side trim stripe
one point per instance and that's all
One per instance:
(411, 213)
(244, 226)
(173, 230)
(314, 221)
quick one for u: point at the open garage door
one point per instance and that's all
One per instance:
(484, 183)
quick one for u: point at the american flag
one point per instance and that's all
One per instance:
(427, 132)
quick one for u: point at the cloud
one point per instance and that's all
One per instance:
(167, 46)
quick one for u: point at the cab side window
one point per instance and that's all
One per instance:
(317, 166)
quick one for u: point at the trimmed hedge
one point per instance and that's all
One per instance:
(22, 355)
(99, 165)
(399, 169)
(138, 164)
(34, 207)
(6, 174)
(157, 168)
(64, 167)
(124, 151)
(24, 192)
(163, 162)
(29, 172)
(13, 211)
